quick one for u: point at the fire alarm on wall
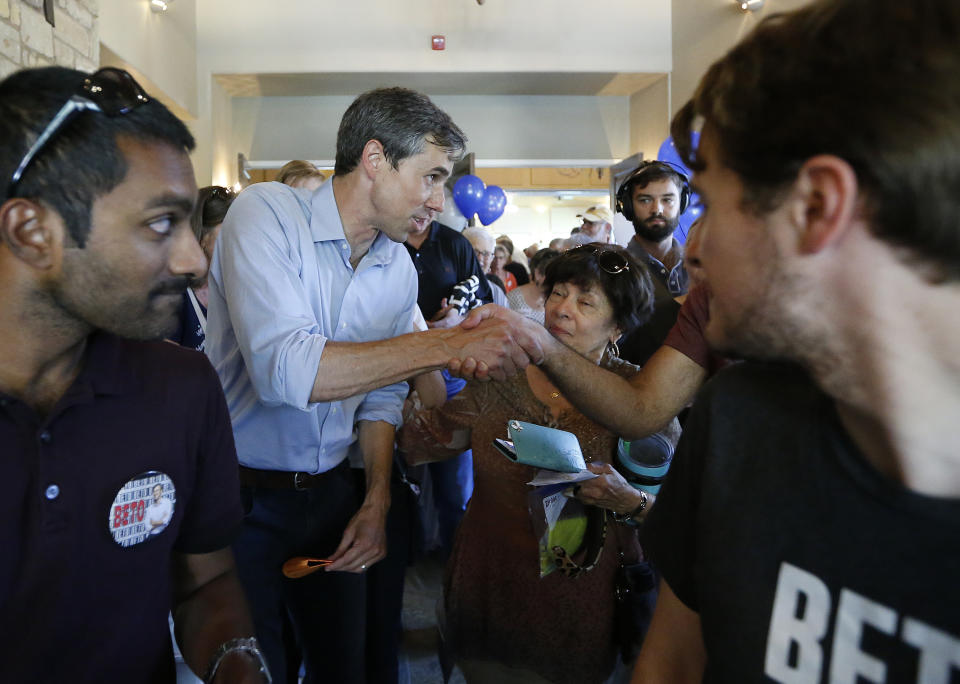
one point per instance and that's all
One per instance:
(439, 42)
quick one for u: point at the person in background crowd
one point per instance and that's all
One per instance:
(497, 267)
(519, 272)
(597, 223)
(444, 258)
(95, 410)
(482, 242)
(528, 299)
(301, 174)
(653, 198)
(212, 204)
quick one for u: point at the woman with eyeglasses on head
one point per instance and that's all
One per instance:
(503, 621)
(212, 204)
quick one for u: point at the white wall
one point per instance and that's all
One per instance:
(499, 127)
(650, 118)
(163, 47)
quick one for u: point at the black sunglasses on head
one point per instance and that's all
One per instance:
(609, 261)
(221, 193)
(109, 91)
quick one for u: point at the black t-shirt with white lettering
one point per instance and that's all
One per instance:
(803, 562)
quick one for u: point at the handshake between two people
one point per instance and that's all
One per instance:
(494, 343)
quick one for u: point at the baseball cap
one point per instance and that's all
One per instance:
(597, 214)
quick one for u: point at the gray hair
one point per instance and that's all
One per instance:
(402, 121)
(476, 234)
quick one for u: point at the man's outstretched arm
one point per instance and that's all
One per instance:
(350, 368)
(631, 408)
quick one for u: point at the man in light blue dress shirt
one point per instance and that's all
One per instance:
(312, 300)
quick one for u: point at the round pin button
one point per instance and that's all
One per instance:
(45, 437)
(142, 509)
(53, 491)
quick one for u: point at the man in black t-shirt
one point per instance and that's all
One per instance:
(808, 528)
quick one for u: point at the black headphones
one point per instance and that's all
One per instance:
(625, 202)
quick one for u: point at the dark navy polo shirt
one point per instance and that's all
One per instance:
(75, 604)
(444, 259)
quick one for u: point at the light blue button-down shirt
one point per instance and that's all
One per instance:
(281, 285)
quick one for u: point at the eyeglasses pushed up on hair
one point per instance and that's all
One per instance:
(109, 91)
(609, 261)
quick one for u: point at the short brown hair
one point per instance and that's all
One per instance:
(874, 82)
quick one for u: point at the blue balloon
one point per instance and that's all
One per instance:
(468, 194)
(494, 202)
(668, 152)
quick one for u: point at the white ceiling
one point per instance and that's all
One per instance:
(437, 83)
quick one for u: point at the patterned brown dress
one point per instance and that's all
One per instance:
(497, 606)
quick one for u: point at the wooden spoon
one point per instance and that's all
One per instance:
(300, 566)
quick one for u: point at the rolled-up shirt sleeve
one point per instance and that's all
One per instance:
(276, 330)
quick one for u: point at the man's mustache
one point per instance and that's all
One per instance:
(174, 286)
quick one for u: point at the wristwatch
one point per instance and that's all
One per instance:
(246, 645)
(631, 517)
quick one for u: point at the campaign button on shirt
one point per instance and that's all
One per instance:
(142, 509)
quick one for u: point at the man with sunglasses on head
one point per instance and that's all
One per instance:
(96, 251)
(312, 300)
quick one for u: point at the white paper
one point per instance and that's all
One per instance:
(548, 477)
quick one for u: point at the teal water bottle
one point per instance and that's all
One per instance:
(645, 462)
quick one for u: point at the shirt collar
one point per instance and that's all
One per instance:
(326, 225)
(638, 251)
(105, 370)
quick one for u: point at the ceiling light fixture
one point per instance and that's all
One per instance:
(159, 5)
(750, 5)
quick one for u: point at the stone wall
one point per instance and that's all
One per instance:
(27, 40)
